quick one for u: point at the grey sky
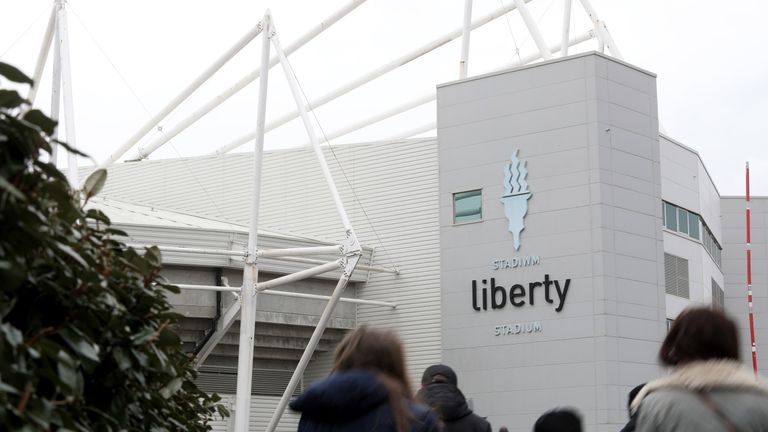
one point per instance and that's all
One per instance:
(130, 59)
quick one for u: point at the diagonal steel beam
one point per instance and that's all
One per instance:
(228, 318)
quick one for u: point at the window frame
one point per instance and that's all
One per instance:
(453, 206)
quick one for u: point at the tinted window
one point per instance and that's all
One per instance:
(467, 206)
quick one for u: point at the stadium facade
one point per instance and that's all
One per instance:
(545, 239)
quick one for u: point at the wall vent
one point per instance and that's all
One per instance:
(265, 382)
(676, 276)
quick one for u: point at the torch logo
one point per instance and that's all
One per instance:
(515, 199)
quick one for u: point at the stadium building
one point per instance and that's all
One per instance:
(541, 244)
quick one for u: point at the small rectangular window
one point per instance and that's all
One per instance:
(693, 225)
(468, 206)
(671, 216)
(682, 220)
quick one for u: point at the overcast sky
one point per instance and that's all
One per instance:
(130, 58)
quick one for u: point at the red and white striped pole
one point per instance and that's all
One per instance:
(749, 281)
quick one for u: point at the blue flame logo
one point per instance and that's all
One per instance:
(516, 198)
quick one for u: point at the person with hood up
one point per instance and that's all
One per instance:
(708, 390)
(368, 390)
(439, 390)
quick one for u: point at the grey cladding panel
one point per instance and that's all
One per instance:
(592, 219)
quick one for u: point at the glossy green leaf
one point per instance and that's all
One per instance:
(12, 335)
(172, 387)
(77, 305)
(152, 255)
(168, 338)
(122, 359)
(71, 253)
(67, 372)
(5, 388)
(13, 74)
(10, 99)
(11, 189)
(80, 344)
(37, 118)
(143, 336)
(94, 183)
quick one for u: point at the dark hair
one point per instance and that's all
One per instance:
(558, 420)
(700, 333)
(380, 351)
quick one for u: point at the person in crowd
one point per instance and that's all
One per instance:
(368, 390)
(503, 429)
(630, 426)
(558, 420)
(439, 390)
(708, 388)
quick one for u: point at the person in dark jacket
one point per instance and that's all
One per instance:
(439, 390)
(368, 390)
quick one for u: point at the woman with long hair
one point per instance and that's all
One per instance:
(368, 390)
(708, 389)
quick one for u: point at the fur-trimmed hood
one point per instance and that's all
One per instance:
(705, 376)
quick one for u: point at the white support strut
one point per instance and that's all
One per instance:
(371, 75)
(62, 35)
(317, 250)
(352, 249)
(566, 27)
(55, 95)
(313, 139)
(413, 131)
(591, 34)
(421, 100)
(304, 274)
(288, 294)
(376, 269)
(249, 294)
(43, 55)
(311, 345)
(282, 254)
(182, 96)
(168, 134)
(533, 28)
(225, 322)
(464, 62)
(601, 30)
(533, 57)
(325, 297)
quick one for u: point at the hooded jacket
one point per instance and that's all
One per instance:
(451, 407)
(354, 401)
(673, 403)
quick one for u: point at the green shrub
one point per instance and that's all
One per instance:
(85, 327)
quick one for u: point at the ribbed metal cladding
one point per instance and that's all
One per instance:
(718, 296)
(676, 276)
(390, 190)
(262, 408)
(265, 382)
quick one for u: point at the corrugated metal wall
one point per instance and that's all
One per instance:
(262, 408)
(391, 195)
(318, 368)
(223, 380)
(392, 200)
